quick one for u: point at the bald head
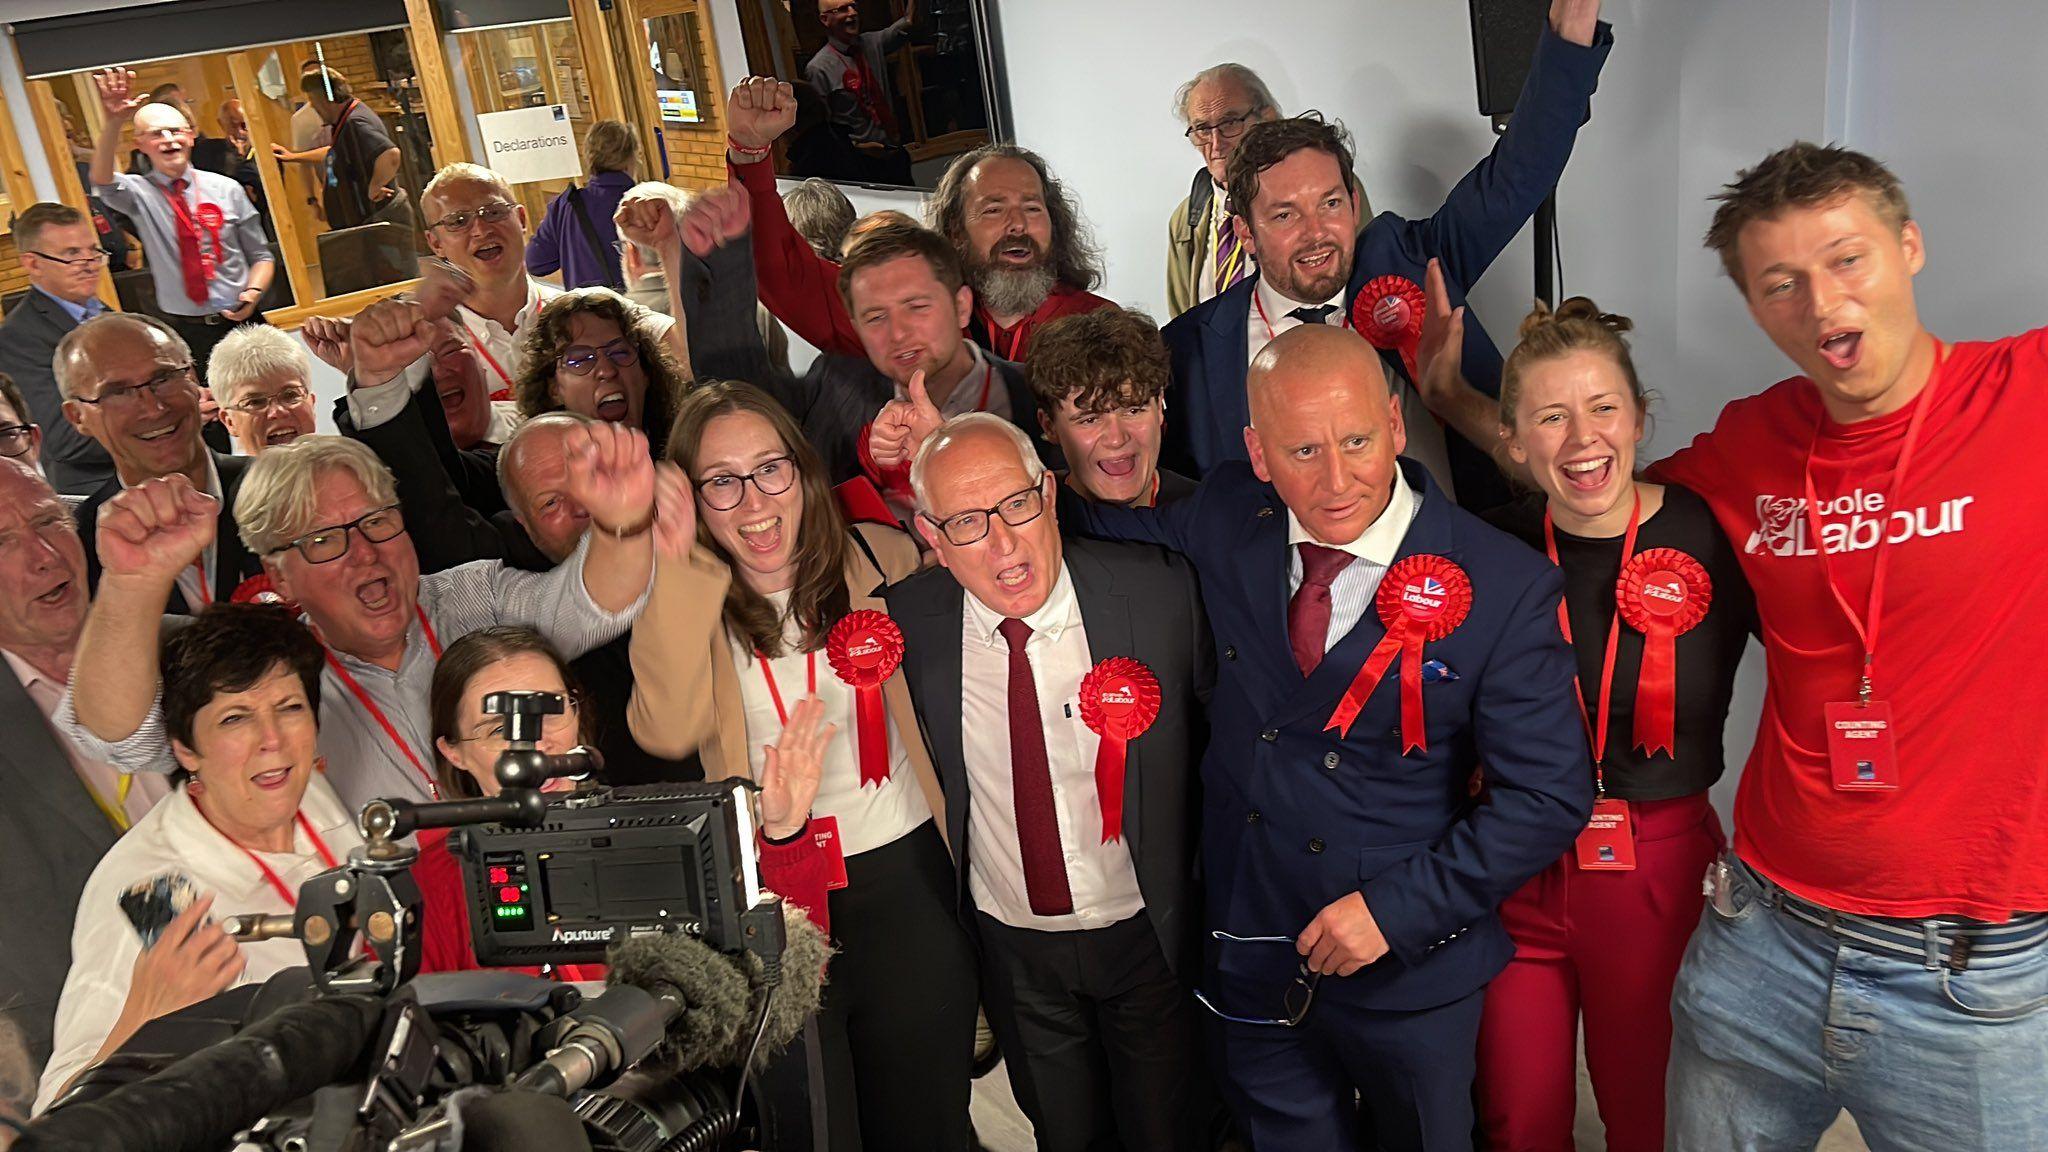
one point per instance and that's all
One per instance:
(533, 470)
(1311, 359)
(42, 572)
(20, 483)
(1325, 429)
(986, 505)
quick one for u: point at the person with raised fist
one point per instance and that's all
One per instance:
(204, 240)
(323, 514)
(1016, 234)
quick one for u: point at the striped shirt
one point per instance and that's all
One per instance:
(1352, 591)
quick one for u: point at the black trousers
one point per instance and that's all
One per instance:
(1098, 1033)
(897, 1026)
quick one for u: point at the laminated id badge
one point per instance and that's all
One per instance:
(1608, 842)
(825, 835)
(1860, 746)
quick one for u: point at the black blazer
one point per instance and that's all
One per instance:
(1136, 601)
(74, 462)
(233, 562)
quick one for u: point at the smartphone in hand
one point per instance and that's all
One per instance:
(152, 904)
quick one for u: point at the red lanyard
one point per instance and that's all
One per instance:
(289, 897)
(477, 342)
(1016, 343)
(1270, 334)
(775, 693)
(377, 713)
(205, 581)
(1597, 734)
(1867, 632)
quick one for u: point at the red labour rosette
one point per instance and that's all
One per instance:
(1119, 701)
(864, 649)
(1421, 598)
(1663, 593)
(1388, 313)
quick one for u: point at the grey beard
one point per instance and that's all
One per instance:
(1012, 291)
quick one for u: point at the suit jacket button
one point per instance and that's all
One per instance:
(1330, 761)
(1270, 735)
(1252, 817)
(1229, 652)
(1315, 845)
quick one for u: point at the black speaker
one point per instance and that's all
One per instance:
(1504, 35)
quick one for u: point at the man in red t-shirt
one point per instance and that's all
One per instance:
(1019, 236)
(1876, 939)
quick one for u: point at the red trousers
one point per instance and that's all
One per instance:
(1602, 949)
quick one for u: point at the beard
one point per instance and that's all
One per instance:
(1008, 291)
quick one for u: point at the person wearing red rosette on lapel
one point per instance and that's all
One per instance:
(208, 256)
(1379, 644)
(1060, 687)
(1658, 613)
(767, 651)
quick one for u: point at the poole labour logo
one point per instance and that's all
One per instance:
(1851, 522)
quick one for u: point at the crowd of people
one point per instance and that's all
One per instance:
(1290, 729)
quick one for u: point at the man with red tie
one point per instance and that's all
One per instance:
(207, 253)
(1060, 686)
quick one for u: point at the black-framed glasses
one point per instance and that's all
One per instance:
(1017, 509)
(325, 545)
(97, 257)
(1298, 998)
(458, 222)
(283, 400)
(1228, 128)
(581, 359)
(15, 439)
(724, 491)
(122, 397)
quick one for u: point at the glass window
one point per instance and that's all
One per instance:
(531, 66)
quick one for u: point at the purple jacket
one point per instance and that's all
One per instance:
(560, 241)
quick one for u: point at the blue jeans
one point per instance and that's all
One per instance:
(1777, 1027)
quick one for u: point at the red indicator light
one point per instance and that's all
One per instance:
(508, 895)
(500, 875)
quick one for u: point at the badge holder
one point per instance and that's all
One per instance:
(1608, 842)
(1861, 748)
(825, 837)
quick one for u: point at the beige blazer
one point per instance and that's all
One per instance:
(686, 691)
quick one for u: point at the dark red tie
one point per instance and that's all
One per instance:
(1308, 614)
(190, 255)
(1038, 823)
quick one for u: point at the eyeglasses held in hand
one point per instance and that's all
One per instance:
(124, 397)
(1017, 509)
(324, 545)
(93, 259)
(581, 359)
(458, 222)
(724, 491)
(15, 439)
(1299, 997)
(283, 400)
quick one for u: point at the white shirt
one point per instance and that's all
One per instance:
(1374, 550)
(1268, 317)
(113, 791)
(1101, 877)
(175, 838)
(869, 817)
(195, 583)
(504, 349)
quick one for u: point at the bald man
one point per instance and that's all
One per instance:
(1352, 871)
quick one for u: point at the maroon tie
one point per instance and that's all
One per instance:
(1308, 614)
(1038, 823)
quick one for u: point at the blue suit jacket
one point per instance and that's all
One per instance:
(1205, 403)
(1295, 817)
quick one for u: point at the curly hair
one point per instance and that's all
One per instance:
(1108, 358)
(1075, 261)
(1268, 143)
(1800, 175)
(548, 337)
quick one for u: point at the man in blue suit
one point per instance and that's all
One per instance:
(1292, 191)
(1352, 875)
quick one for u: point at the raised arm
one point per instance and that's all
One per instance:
(119, 102)
(670, 712)
(1471, 413)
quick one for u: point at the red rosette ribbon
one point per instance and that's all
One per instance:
(258, 589)
(1663, 593)
(1388, 313)
(864, 649)
(1119, 701)
(1421, 598)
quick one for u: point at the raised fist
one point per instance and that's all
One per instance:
(384, 338)
(327, 336)
(117, 96)
(649, 222)
(902, 425)
(716, 218)
(760, 109)
(611, 474)
(442, 287)
(156, 530)
(675, 513)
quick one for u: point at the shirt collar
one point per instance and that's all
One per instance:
(191, 177)
(1381, 539)
(1061, 611)
(26, 672)
(1277, 306)
(92, 307)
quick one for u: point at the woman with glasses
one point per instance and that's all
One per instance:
(259, 378)
(19, 436)
(594, 353)
(735, 659)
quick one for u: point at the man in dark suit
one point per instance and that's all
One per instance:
(129, 384)
(1076, 879)
(62, 256)
(1295, 198)
(1352, 876)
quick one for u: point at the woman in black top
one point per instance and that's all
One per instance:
(1658, 613)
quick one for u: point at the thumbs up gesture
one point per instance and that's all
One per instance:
(902, 425)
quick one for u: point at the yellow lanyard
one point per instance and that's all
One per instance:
(117, 812)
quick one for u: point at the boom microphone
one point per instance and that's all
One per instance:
(203, 1100)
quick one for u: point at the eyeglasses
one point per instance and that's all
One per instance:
(1017, 509)
(493, 213)
(283, 400)
(581, 359)
(723, 492)
(160, 133)
(97, 257)
(1228, 128)
(15, 439)
(1297, 1000)
(324, 545)
(125, 397)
